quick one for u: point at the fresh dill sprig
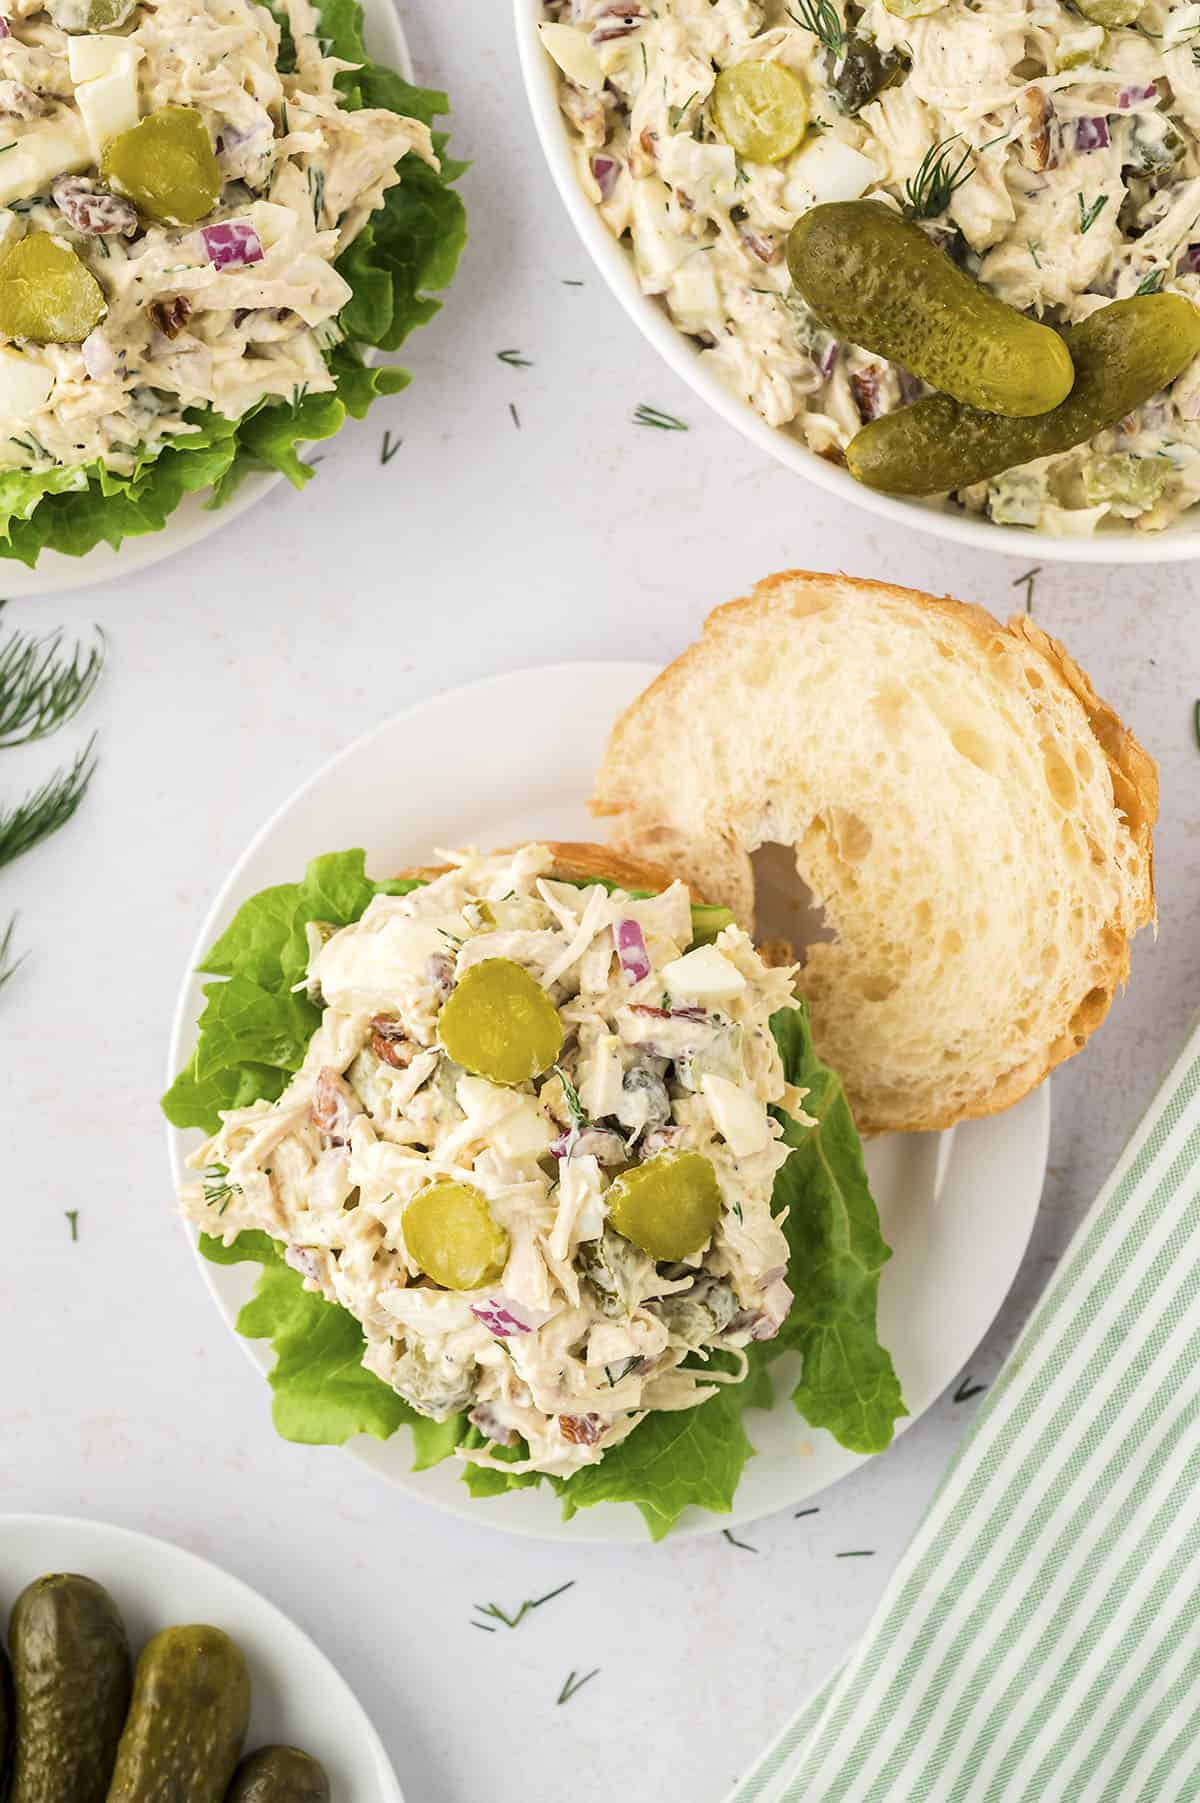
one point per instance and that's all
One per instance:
(8, 964)
(622, 1370)
(1151, 282)
(46, 809)
(388, 449)
(822, 18)
(645, 415)
(1089, 215)
(72, 1215)
(575, 1107)
(574, 1683)
(1034, 245)
(743, 1545)
(929, 192)
(1196, 721)
(218, 1190)
(495, 1613)
(514, 359)
(40, 687)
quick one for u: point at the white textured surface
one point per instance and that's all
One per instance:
(236, 669)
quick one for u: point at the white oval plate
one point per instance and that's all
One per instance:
(1174, 545)
(957, 1208)
(298, 1698)
(191, 521)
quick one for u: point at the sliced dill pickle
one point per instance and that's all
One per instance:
(1122, 355)
(668, 1206)
(90, 15)
(761, 109)
(48, 294)
(875, 279)
(1109, 12)
(453, 1236)
(862, 72)
(166, 166)
(499, 1023)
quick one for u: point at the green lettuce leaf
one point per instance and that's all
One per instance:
(407, 251)
(253, 1033)
(848, 1384)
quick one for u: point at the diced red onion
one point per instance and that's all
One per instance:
(631, 950)
(1130, 96)
(5, 27)
(232, 244)
(1189, 263)
(1091, 134)
(829, 357)
(505, 1319)
(605, 170)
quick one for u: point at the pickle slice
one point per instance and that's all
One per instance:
(453, 1237)
(761, 109)
(47, 293)
(668, 1206)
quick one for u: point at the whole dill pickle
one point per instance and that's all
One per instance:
(71, 1675)
(1122, 355)
(877, 280)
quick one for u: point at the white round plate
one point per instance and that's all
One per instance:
(1113, 545)
(298, 1698)
(191, 520)
(957, 1208)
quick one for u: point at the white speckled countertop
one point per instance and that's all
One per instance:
(483, 545)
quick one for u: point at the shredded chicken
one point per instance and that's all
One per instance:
(584, 1333)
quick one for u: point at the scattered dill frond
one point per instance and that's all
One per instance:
(1034, 245)
(46, 809)
(1027, 580)
(8, 964)
(743, 1545)
(388, 449)
(575, 1683)
(72, 1215)
(516, 417)
(218, 1190)
(929, 192)
(822, 18)
(675, 114)
(514, 359)
(575, 1107)
(41, 688)
(495, 1613)
(645, 415)
(1151, 282)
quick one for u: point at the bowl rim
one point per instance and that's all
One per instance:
(1175, 544)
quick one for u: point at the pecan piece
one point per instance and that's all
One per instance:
(333, 1106)
(391, 1043)
(170, 316)
(1040, 135)
(93, 210)
(580, 1430)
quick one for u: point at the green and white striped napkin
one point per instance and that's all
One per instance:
(1041, 1636)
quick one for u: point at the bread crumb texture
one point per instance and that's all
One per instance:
(973, 821)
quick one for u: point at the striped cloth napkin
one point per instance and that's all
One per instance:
(1041, 1637)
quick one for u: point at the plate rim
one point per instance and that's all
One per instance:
(135, 1538)
(636, 672)
(1179, 544)
(56, 573)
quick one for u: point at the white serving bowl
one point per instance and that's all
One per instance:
(1113, 545)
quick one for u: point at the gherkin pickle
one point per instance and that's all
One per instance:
(862, 72)
(1122, 355)
(48, 294)
(453, 1237)
(499, 1023)
(761, 109)
(166, 166)
(71, 1677)
(668, 1206)
(187, 1719)
(875, 279)
(279, 1775)
(914, 9)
